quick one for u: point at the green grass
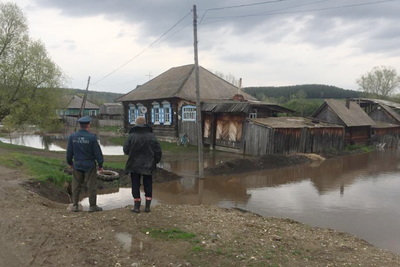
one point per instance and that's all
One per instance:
(165, 146)
(40, 168)
(359, 147)
(108, 129)
(169, 234)
(197, 248)
(114, 165)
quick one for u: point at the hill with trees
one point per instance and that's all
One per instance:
(284, 93)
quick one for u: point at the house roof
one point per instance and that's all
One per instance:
(75, 102)
(393, 113)
(240, 107)
(181, 82)
(353, 116)
(111, 109)
(390, 104)
(293, 122)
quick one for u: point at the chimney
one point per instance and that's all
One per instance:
(240, 87)
(348, 103)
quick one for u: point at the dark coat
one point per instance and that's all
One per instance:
(143, 150)
(83, 150)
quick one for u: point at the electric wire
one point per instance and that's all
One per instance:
(300, 11)
(240, 6)
(142, 50)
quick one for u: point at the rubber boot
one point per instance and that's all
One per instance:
(95, 208)
(147, 208)
(136, 208)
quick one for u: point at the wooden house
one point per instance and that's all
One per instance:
(386, 131)
(224, 122)
(71, 105)
(168, 100)
(111, 111)
(286, 135)
(357, 123)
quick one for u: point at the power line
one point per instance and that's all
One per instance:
(301, 11)
(240, 6)
(142, 50)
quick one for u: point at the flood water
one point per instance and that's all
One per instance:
(358, 194)
(58, 142)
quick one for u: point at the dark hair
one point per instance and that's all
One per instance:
(84, 125)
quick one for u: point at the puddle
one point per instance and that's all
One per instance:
(131, 244)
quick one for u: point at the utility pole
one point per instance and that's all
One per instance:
(198, 107)
(81, 111)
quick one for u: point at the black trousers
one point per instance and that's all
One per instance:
(147, 184)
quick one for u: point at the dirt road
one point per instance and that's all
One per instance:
(35, 231)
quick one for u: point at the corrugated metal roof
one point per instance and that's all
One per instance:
(378, 101)
(181, 82)
(75, 102)
(353, 116)
(240, 107)
(293, 122)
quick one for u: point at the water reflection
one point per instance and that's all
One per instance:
(130, 243)
(58, 143)
(356, 194)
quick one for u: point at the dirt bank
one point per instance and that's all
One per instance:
(254, 164)
(35, 231)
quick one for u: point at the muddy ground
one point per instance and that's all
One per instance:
(36, 231)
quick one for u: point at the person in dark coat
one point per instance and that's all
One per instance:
(82, 153)
(144, 153)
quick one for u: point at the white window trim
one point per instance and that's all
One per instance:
(184, 108)
(167, 106)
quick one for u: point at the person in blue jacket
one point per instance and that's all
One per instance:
(82, 153)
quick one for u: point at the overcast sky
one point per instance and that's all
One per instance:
(272, 43)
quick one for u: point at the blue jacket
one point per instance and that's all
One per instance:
(83, 149)
(143, 150)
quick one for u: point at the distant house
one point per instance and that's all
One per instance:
(357, 123)
(113, 111)
(168, 100)
(71, 105)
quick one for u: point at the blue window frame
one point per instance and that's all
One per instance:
(189, 113)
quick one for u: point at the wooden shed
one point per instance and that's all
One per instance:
(111, 111)
(386, 131)
(168, 100)
(223, 121)
(286, 135)
(357, 123)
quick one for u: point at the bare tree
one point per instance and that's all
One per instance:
(227, 77)
(381, 81)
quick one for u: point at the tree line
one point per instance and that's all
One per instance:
(285, 93)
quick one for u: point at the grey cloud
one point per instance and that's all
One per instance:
(272, 22)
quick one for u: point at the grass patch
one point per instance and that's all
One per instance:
(41, 168)
(114, 165)
(197, 248)
(359, 147)
(169, 234)
(108, 129)
(165, 146)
